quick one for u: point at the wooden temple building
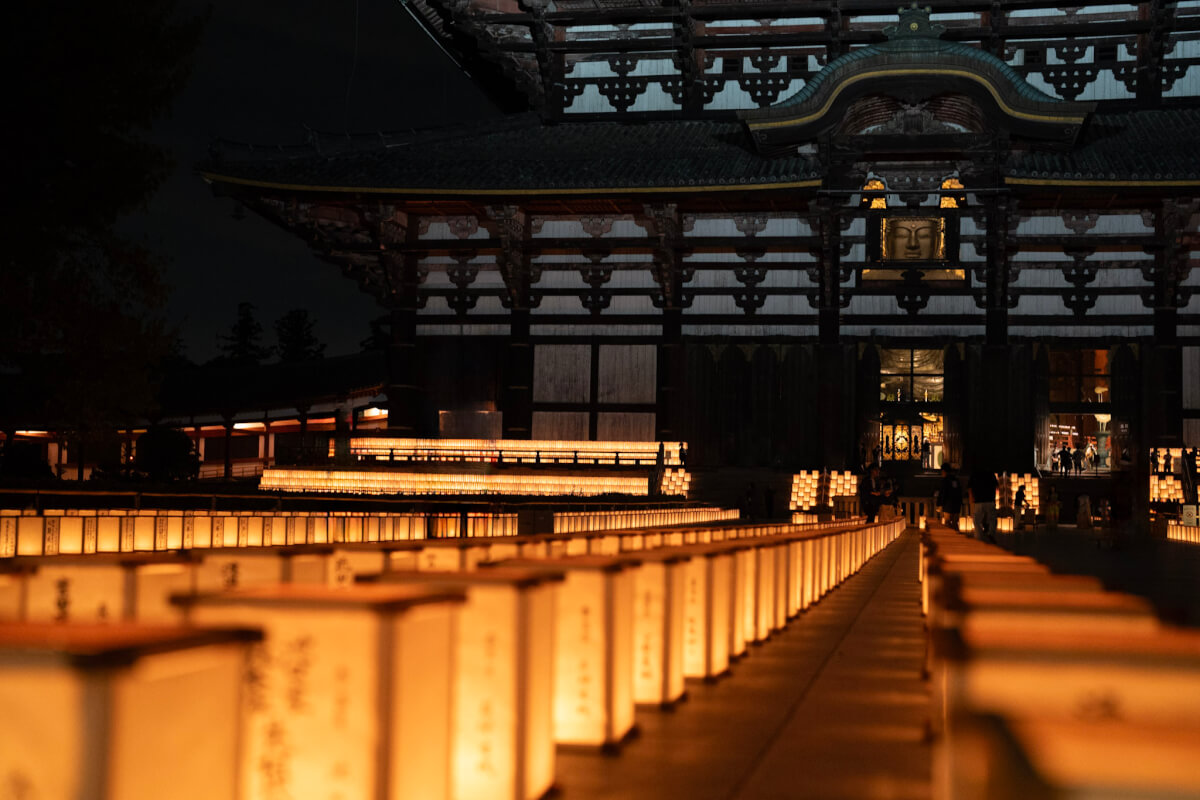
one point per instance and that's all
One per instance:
(786, 233)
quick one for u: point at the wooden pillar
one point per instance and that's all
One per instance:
(228, 472)
(517, 400)
(829, 300)
(671, 379)
(835, 405)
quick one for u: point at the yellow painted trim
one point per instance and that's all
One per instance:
(297, 187)
(909, 72)
(1080, 182)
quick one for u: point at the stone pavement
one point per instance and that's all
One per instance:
(832, 707)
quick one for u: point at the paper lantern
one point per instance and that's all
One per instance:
(103, 587)
(351, 692)
(233, 568)
(504, 701)
(708, 611)
(1037, 757)
(658, 620)
(1070, 673)
(135, 712)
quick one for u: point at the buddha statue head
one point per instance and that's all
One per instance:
(912, 238)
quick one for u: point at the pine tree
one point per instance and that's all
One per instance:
(294, 337)
(243, 345)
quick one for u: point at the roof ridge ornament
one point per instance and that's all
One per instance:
(914, 24)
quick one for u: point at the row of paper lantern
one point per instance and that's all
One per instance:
(77, 532)
(518, 451)
(1048, 685)
(49, 587)
(573, 521)
(1179, 532)
(390, 482)
(811, 489)
(479, 674)
(71, 532)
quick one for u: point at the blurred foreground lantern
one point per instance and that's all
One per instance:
(351, 693)
(1150, 678)
(121, 711)
(503, 681)
(1014, 759)
(103, 587)
(236, 567)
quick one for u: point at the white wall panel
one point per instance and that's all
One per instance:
(1191, 377)
(562, 373)
(627, 373)
(874, 304)
(560, 425)
(624, 427)
(750, 330)
(1053, 278)
(796, 305)
(948, 304)
(713, 304)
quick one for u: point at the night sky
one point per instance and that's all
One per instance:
(264, 71)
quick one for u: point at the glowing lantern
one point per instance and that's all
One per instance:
(1151, 677)
(593, 632)
(234, 567)
(504, 677)
(114, 711)
(743, 593)
(707, 611)
(658, 618)
(351, 693)
(103, 587)
(764, 591)
(12, 595)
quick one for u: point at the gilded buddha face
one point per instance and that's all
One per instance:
(912, 238)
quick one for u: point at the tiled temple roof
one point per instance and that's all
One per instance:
(1143, 146)
(521, 155)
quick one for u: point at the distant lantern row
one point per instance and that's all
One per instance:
(576, 521)
(519, 451)
(387, 482)
(454, 685)
(86, 531)
(817, 488)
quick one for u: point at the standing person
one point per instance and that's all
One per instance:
(925, 451)
(981, 488)
(1077, 459)
(873, 492)
(949, 496)
(1064, 460)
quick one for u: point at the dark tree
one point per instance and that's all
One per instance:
(294, 337)
(81, 331)
(166, 454)
(243, 346)
(380, 336)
